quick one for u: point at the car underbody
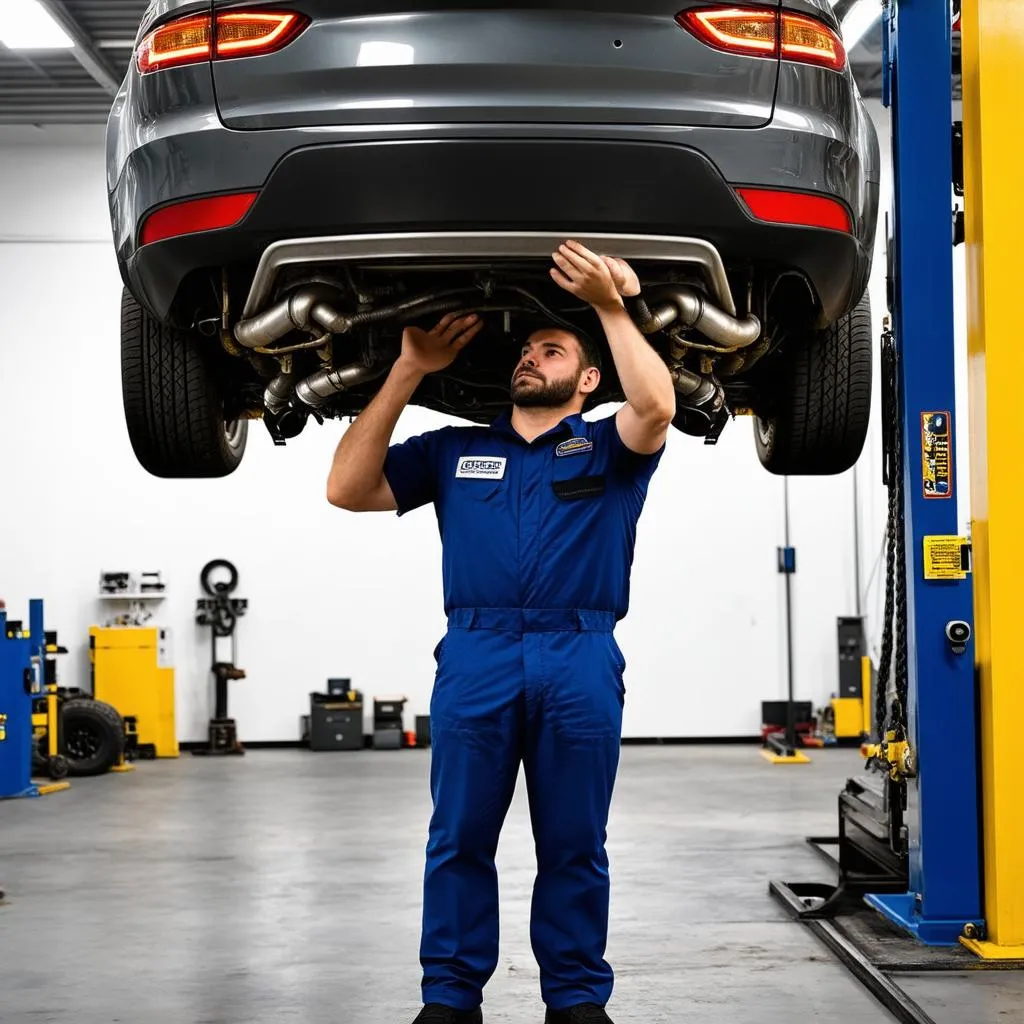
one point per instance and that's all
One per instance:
(285, 201)
(322, 320)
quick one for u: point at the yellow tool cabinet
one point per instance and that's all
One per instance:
(131, 669)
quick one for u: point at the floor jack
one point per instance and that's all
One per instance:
(220, 612)
(928, 858)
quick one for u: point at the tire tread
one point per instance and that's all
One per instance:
(171, 401)
(824, 409)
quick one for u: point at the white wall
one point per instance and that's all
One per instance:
(334, 594)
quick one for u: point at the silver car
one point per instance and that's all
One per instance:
(291, 183)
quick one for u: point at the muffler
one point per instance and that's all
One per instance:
(316, 390)
(689, 308)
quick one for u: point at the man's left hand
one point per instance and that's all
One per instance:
(585, 275)
(624, 276)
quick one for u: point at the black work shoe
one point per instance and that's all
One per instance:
(584, 1013)
(435, 1013)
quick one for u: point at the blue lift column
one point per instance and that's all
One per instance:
(22, 667)
(943, 814)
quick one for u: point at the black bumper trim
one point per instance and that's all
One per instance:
(575, 186)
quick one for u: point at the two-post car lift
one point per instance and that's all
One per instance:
(931, 836)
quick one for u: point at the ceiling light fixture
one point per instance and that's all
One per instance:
(26, 25)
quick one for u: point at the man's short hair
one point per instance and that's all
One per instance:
(590, 351)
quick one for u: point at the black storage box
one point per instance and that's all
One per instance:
(388, 732)
(773, 713)
(387, 739)
(387, 714)
(336, 721)
(423, 730)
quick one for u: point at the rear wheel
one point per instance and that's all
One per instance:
(173, 401)
(820, 405)
(93, 734)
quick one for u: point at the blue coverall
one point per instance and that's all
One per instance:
(537, 543)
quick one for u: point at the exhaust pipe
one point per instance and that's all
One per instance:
(317, 390)
(696, 391)
(692, 310)
(279, 393)
(308, 310)
(292, 314)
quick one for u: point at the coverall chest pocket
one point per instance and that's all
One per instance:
(578, 478)
(475, 491)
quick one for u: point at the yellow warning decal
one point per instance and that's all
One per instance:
(946, 558)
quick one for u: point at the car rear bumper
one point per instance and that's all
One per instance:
(674, 182)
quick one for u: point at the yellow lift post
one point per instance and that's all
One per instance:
(992, 33)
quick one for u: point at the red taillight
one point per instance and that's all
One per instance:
(196, 215)
(735, 29)
(796, 208)
(252, 33)
(808, 41)
(184, 41)
(763, 32)
(238, 34)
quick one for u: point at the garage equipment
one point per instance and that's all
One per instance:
(132, 670)
(47, 726)
(933, 832)
(22, 683)
(336, 717)
(388, 732)
(423, 730)
(220, 612)
(850, 718)
(73, 734)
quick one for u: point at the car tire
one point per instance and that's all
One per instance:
(173, 405)
(821, 405)
(93, 736)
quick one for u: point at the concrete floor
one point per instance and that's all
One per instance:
(285, 887)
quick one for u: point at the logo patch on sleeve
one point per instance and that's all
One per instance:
(481, 467)
(574, 446)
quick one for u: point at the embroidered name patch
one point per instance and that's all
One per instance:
(480, 467)
(574, 446)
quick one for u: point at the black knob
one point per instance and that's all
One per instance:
(958, 633)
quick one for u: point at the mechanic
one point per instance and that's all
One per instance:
(537, 515)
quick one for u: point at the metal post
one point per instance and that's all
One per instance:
(993, 42)
(784, 750)
(790, 711)
(943, 813)
(856, 546)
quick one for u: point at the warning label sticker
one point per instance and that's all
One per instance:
(946, 558)
(936, 460)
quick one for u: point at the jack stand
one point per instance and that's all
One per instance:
(220, 612)
(222, 736)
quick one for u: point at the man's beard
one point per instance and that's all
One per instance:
(549, 395)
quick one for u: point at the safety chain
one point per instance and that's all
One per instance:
(891, 754)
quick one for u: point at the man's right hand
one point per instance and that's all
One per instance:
(430, 351)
